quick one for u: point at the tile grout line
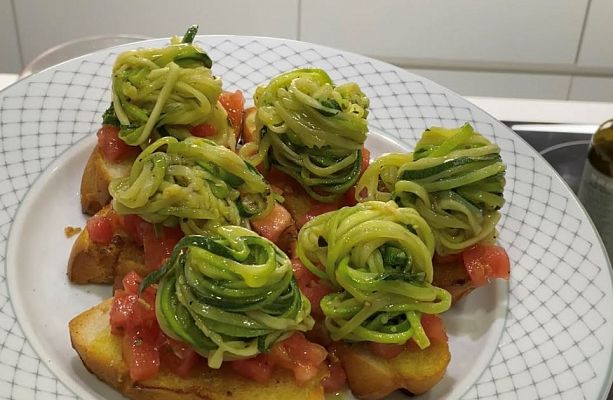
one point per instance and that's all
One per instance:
(299, 21)
(14, 10)
(579, 45)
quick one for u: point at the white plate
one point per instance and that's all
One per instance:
(546, 334)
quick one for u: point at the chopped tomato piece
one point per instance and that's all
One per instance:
(273, 224)
(299, 355)
(318, 208)
(158, 249)
(112, 147)
(140, 352)
(337, 379)
(311, 287)
(203, 130)
(365, 160)
(234, 104)
(257, 369)
(132, 225)
(100, 229)
(349, 197)
(131, 281)
(385, 350)
(434, 328)
(121, 310)
(249, 134)
(486, 262)
(176, 355)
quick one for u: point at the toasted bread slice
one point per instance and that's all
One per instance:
(453, 278)
(91, 262)
(97, 175)
(101, 353)
(371, 377)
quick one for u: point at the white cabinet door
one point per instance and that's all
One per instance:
(10, 59)
(500, 84)
(591, 89)
(43, 24)
(596, 47)
(541, 31)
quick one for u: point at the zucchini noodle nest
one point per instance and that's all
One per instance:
(379, 257)
(315, 130)
(161, 92)
(195, 183)
(454, 179)
(230, 295)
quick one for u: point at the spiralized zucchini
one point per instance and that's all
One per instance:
(194, 183)
(315, 130)
(230, 295)
(379, 257)
(161, 92)
(454, 179)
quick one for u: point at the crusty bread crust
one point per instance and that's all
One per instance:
(96, 177)
(372, 378)
(101, 353)
(91, 262)
(453, 278)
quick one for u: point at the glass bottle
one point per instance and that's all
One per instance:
(596, 190)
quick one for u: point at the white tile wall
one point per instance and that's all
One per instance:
(498, 84)
(10, 59)
(591, 89)
(544, 31)
(596, 48)
(72, 19)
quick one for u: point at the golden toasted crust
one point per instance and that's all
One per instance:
(100, 351)
(91, 262)
(97, 175)
(371, 377)
(453, 278)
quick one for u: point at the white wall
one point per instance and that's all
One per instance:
(552, 49)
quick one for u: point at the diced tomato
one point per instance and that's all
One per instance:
(132, 225)
(177, 356)
(248, 133)
(365, 159)
(302, 273)
(486, 262)
(299, 355)
(282, 180)
(131, 281)
(337, 379)
(273, 224)
(257, 369)
(234, 104)
(315, 291)
(434, 328)
(100, 229)
(112, 147)
(129, 310)
(385, 350)
(140, 352)
(158, 249)
(349, 197)
(203, 130)
(311, 287)
(318, 208)
(121, 310)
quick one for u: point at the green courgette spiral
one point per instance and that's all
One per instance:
(454, 179)
(160, 92)
(230, 295)
(379, 258)
(193, 183)
(315, 130)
